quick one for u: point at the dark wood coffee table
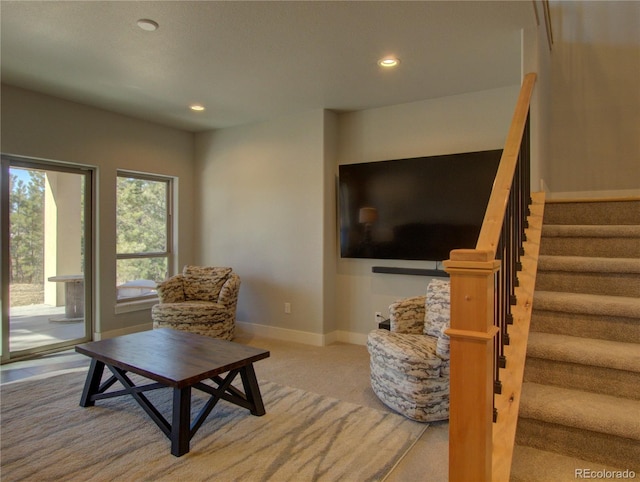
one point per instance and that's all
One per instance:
(179, 360)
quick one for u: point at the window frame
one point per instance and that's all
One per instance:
(168, 252)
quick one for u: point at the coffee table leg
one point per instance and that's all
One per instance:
(181, 421)
(92, 384)
(252, 390)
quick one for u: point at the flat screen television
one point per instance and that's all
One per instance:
(414, 209)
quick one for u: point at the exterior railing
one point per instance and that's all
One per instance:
(483, 283)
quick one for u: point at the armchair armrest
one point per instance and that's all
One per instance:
(443, 344)
(229, 292)
(407, 315)
(171, 290)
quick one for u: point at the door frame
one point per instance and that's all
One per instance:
(89, 176)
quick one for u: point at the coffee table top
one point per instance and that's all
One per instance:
(174, 358)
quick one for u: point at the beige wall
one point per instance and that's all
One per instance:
(39, 126)
(262, 210)
(535, 59)
(594, 128)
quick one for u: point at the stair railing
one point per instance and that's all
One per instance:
(483, 282)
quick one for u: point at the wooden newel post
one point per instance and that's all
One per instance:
(472, 336)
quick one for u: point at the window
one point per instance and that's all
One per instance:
(143, 234)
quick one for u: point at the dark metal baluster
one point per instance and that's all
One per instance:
(520, 217)
(510, 249)
(497, 343)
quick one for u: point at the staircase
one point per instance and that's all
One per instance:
(580, 404)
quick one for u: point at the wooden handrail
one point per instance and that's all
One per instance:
(473, 334)
(494, 215)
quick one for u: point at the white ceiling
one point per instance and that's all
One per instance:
(250, 61)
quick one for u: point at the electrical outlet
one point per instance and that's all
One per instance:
(378, 317)
(287, 308)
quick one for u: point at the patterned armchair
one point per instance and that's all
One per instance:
(201, 300)
(410, 363)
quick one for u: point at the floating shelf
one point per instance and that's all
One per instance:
(410, 271)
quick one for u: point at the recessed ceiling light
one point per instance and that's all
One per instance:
(148, 25)
(197, 107)
(388, 62)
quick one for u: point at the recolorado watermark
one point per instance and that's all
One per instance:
(604, 474)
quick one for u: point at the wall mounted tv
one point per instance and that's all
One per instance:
(414, 209)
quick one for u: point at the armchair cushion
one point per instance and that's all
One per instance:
(437, 312)
(407, 315)
(203, 283)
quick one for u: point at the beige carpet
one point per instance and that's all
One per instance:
(46, 435)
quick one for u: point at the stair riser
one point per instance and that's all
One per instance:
(586, 326)
(593, 247)
(616, 306)
(607, 381)
(605, 449)
(613, 212)
(613, 284)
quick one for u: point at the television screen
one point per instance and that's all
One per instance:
(414, 209)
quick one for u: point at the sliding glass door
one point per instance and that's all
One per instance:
(45, 255)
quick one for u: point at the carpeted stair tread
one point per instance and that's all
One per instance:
(604, 327)
(592, 211)
(581, 410)
(589, 264)
(622, 306)
(590, 231)
(585, 351)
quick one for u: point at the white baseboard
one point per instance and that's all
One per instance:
(284, 334)
(304, 337)
(122, 331)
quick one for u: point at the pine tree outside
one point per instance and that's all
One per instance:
(26, 256)
(142, 233)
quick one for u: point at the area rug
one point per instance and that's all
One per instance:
(304, 436)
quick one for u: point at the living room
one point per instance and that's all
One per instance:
(268, 183)
(272, 183)
(260, 197)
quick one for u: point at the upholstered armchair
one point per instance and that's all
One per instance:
(200, 300)
(410, 362)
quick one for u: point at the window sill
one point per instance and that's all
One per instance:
(138, 305)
